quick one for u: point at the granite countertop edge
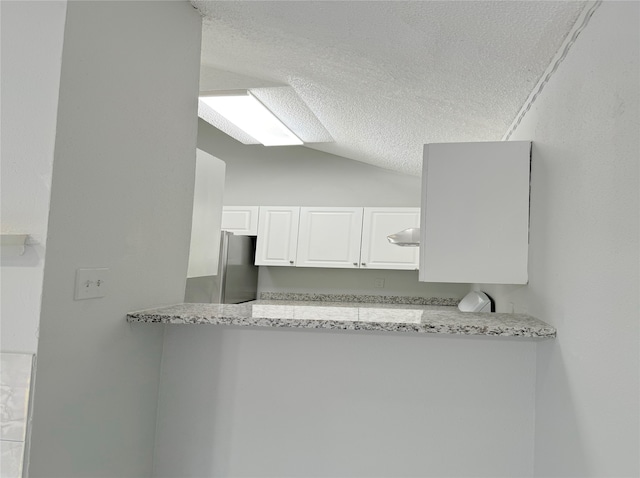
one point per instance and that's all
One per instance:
(433, 319)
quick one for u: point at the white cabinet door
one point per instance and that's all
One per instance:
(329, 237)
(475, 212)
(241, 220)
(377, 252)
(277, 236)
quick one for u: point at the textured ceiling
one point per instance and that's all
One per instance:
(386, 77)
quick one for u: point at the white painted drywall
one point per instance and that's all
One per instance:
(584, 252)
(32, 34)
(298, 176)
(350, 404)
(207, 216)
(121, 198)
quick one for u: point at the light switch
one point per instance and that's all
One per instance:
(91, 283)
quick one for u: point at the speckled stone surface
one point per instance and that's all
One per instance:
(365, 299)
(350, 316)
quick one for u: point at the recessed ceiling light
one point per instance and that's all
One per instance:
(244, 110)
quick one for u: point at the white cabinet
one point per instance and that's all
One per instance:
(277, 240)
(241, 220)
(475, 212)
(329, 237)
(206, 216)
(335, 237)
(376, 251)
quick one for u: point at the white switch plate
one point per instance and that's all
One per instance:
(378, 283)
(91, 283)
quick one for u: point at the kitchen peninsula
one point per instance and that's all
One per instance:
(381, 316)
(268, 384)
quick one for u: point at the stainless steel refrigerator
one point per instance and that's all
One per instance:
(237, 278)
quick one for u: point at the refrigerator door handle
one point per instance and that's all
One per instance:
(222, 268)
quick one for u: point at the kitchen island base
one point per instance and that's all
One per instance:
(245, 401)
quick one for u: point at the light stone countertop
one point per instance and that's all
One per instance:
(349, 316)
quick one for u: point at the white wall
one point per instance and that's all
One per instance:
(32, 34)
(298, 176)
(121, 198)
(584, 252)
(303, 403)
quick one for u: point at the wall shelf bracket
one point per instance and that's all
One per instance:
(13, 244)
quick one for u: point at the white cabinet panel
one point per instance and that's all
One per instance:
(207, 215)
(377, 252)
(277, 240)
(329, 237)
(241, 220)
(475, 212)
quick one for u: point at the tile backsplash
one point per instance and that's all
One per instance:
(15, 385)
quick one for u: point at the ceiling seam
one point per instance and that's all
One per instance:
(558, 58)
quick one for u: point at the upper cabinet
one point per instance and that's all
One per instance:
(277, 240)
(335, 237)
(475, 212)
(329, 237)
(241, 220)
(376, 251)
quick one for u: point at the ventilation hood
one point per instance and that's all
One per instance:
(406, 238)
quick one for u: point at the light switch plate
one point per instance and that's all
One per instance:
(91, 283)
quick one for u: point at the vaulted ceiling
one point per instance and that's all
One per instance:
(374, 81)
